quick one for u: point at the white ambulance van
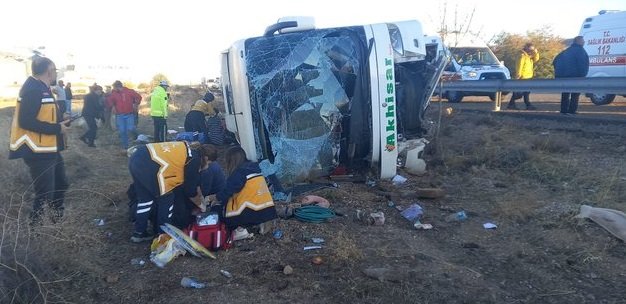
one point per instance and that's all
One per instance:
(471, 59)
(605, 43)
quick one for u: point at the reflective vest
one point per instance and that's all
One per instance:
(254, 195)
(158, 102)
(26, 142)
(171, 157)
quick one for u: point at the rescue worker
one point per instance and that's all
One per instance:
(158, 110)
(195, 120)
(37, 137)
(525, 70)
(157, 169)
(246, 199)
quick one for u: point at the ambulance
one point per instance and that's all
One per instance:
(307, 102)
(605, 43)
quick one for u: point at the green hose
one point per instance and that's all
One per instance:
(313, 214)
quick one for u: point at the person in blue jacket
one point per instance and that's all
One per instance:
(246, 199)
(157, 170)
(572, 62)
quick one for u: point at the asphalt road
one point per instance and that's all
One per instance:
(548, 106)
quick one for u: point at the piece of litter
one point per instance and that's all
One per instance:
(312, 247)
(226, 273)
(316, 240)
(421, 226)
(545, 133)
(490, 226)
(398, 180)
(99, 222)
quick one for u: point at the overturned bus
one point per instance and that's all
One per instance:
(308, 102)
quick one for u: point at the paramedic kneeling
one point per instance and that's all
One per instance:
(156, 170)
(245, 200)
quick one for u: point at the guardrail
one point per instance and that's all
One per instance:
(600, 85)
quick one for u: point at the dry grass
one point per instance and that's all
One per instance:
(345, 249)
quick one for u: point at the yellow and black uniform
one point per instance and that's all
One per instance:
(36, 138)
(157, 169)
(246, 200)
(35, 129)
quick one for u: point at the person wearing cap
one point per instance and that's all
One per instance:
(158, 110)
(195, 119)
(123, 101)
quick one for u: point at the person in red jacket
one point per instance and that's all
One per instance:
(124, 102)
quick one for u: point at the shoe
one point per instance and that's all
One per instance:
(531, 107)
(241, 234)
(83, 139)
(139, 237)
(92, 145)
(511, 106)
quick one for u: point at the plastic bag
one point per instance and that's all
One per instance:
(612, 220)
(164, 250)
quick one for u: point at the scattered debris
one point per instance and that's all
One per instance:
(456, 217)
(490, 226)
(317, 260)
(377, 218)
(188, 282)
(137, 262)
(164, 250)
(413, 212)
(398, 180)
(613, 221)
(420, 226)
(226, 273)
(315, 200)
(99, 222)
(288, 270)
(374, 218)
(278, 234)
(312, 247)
(317, 240)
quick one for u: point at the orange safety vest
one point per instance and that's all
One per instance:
(34, 141)
(171, 157)
(254, 195)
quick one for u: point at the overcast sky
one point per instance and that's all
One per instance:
(183, 38)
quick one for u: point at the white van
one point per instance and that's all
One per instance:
(471, 59)
(605, 43)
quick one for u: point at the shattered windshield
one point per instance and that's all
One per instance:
(301, 88)
(474, 56)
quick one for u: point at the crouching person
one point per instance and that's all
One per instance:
(157, 169)
(246, 199)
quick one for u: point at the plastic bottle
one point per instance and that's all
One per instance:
(456, 217)
(188, 282)
(226, 273)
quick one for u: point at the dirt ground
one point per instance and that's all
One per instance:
(527, 176)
